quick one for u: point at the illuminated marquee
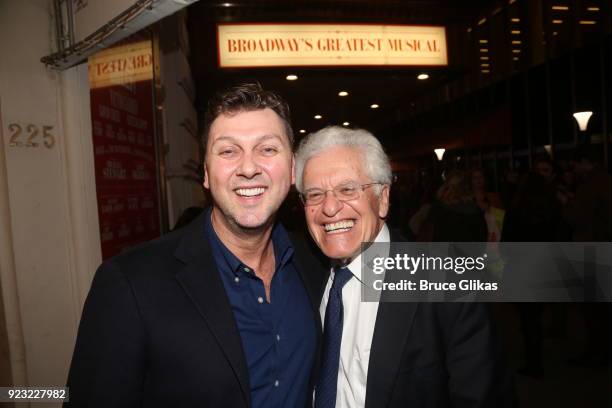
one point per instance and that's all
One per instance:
(270, 45)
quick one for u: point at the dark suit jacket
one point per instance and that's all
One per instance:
(435, 355)
(158, 331)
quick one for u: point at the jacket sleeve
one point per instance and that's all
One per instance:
(108, 364)
(478, 375)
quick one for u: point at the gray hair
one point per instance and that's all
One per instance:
(376, 162)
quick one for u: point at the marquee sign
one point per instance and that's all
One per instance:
(274, 45)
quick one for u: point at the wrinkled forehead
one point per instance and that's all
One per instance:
(333, 166)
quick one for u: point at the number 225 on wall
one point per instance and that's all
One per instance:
(30, 136)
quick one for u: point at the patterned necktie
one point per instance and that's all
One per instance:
(325, 394)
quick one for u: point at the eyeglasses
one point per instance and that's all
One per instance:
(343, 192)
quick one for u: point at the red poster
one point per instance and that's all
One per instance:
(121, 83)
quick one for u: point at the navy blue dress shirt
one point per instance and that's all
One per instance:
(278, 338)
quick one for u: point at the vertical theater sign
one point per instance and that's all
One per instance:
(121, 81)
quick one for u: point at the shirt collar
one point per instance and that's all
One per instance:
(283, 249)
(382, 237)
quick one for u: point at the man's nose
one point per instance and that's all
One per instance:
(331, 205)
(248, 167)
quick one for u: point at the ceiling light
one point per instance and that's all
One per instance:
(515, 32)
(587, 22)
(516, 42)
(484, 58)
(557, 21)
(515, 20)
(486, 64)
(516, 51)
(485, 71)
(583, 119)
(548, 149)
(318, 117)
(374, 106)
(345, 123)
(484, 50)
(469, 30)
(291, 77)
(555, 33)
(561, 8)
(342, 93)
(515, 58)
(483, 41)
(422, 76)
(482, 21)
(302, 130)
(592, 8)
(439, 153)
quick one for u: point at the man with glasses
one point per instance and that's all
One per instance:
(379, 354)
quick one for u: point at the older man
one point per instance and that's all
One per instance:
(216, 314)
(380, 354)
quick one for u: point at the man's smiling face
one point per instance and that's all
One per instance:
(339, 227)
(249, 167)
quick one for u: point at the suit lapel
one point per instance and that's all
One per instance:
(393, 326)
(201, 282)
(311, 284)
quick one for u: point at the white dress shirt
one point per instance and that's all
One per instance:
(357, 333)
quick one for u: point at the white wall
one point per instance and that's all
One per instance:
(182, 146)
(49, 232)
(50, 241)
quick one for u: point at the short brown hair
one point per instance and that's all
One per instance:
(243, 98)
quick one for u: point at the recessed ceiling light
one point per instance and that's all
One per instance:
(483, 41)
(560, 8)
(345, 123)
(374, 106)
(422, 76)
(302, 131)
(587, 22)
(515, 32)
(515, 20)
(291, 77)
(592, 8)
(342, 93)
(318, 116)
(557, 21)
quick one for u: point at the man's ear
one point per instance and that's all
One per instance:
(383, 204)
(292, 169)
(206, 183)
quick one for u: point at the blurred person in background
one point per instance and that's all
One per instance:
(534, 216)
(589, 215)
(454, 215)
(490, 203)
